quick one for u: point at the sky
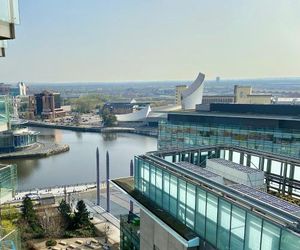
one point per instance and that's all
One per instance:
(132, 40)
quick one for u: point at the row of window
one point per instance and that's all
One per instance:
(222, 224)
(171, 136)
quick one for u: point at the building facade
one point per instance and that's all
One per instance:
(9, 239)
(250, 126)
(207, 99)
(13, 136)
(184, 206)
(244, 95)
(48, 105)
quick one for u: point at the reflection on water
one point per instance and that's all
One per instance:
(109, 136)
(78, 165)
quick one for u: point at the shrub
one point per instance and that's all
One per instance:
(51, 243)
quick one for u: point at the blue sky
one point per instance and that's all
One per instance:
(121, 40)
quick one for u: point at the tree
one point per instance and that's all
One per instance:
(28, 212)
(65, 211)
(81, 215)
(108, 118)
(30, 223)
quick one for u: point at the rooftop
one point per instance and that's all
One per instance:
(236, 166)
(127, 185)
(236, 115)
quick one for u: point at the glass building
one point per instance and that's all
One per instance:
(277, 132)
(8, 182)
(202, 213)
(8, 186)
(13, 136)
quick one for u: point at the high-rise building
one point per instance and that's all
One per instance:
(212, 197)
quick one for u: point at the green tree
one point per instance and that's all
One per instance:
(81, 218)
(108, 118)
(28, 212)
(65, 211)
(33, 226)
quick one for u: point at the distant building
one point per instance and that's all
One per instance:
(286, 100)
(48, 105)
(207, 99)
(128, 111)
(4, 89)
(244, 95)
(18, 90)
(178, 93)
(13, 135)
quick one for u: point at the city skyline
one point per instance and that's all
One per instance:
(138, 40)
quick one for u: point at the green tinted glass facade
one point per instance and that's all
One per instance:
(8, 182)
(11, 241)
(219, 222)
(4, 110)
(187, 134)
(129, 234)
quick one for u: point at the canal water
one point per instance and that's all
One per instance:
(79, 164)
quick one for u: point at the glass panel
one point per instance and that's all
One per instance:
(289, 241)
(166, 188)
(182, 201)
(152, 183)
(237, 228)
(159, 186)
(211, 222)
(190, 205)
(270, 236)
(173, 196)
(224, 224)
(201, 212)
(253, 232)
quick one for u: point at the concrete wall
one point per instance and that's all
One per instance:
(151, 233)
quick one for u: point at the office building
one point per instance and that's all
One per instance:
(189, 200)
(48, 105)
(270, 128)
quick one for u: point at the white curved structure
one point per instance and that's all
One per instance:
(193, 95)
(135, 116)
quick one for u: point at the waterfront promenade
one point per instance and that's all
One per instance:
(147, 131)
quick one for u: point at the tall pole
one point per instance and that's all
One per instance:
(98, 176)
(131, 174)
(107, 183)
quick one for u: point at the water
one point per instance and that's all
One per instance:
(79, 164)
